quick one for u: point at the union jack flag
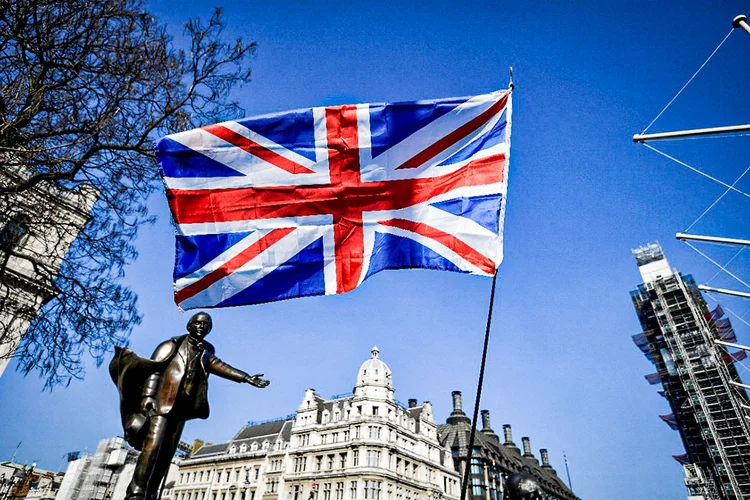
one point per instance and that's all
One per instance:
(314, 201)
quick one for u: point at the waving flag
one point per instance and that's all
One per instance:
(313, 202)
(717, 313)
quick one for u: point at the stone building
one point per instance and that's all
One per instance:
(492, 461)
(36, 229)
(28, 482)
(360, 446)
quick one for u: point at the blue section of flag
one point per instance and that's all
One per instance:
(185, 162)
(292, 129)
(302, 275)
(395, 252)
(194, 252)
(494, 137)
(392, 123)
(484, 210)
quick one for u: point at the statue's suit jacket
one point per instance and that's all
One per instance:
(167, 387)
(163, 377)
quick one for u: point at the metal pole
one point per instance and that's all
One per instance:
(744, 386)
(730, 344)
(741, 22)
(712, 239)
(570, 486)
(691, 133)
(724, 291)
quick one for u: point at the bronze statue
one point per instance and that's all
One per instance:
(522, 485)
(158, 395)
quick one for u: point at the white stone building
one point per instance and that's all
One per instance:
(36, 229)
(362, 446)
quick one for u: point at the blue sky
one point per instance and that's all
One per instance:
(562, 368)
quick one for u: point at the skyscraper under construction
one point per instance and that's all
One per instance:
(688, 345)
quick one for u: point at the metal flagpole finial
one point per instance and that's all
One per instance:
(511, 86)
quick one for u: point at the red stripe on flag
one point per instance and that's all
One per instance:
(233, 264)
(235, 204)
(256, 149)
(447, 240)
(449, 140)
(343, 161)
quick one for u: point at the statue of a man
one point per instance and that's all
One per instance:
(158, 395)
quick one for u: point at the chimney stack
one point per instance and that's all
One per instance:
(545, 461)
(457, 402)
(486, 421)
(527, 449)
(508, 435)
(457, 416)
(486, 428)
(412, 403)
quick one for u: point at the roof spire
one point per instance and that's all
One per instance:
(375, 352)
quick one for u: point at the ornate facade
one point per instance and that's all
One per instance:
(361, 446)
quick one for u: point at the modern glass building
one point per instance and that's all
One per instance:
(687, 345)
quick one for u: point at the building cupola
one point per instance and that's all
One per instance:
(374, 378)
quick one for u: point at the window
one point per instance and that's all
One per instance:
(346, 435)
(257, 472)
(300, 464)
(254, 446)
(232, 449)
(195, 475)
(329, 462)
(318, 462)
(243, 448)
(373, 458)
(374, 431)
(265, 445)
(326, 491)
(353, 490)
(342, 460)
(304, 439)
(182, 478)
(339, 491)
(335, 437)
(355, 458)
(372, 490)
(375, 410)
(13, 232)
(356, 432)
(323, 438)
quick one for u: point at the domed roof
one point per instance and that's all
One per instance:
(374, 372)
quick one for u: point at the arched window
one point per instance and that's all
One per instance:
(254, 446)
(265, 444)
(232, 449)
(243, 448)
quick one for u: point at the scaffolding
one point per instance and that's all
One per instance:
(710, 411)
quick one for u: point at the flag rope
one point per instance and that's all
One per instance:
(467, 467)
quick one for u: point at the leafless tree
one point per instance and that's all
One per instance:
(85, 87)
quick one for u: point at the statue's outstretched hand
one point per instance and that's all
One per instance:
(256, 380)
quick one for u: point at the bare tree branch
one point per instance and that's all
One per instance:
(85, 87)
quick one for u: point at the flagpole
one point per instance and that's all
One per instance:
(467, 467)
(480, 382)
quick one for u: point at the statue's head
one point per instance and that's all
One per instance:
(199, 325)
